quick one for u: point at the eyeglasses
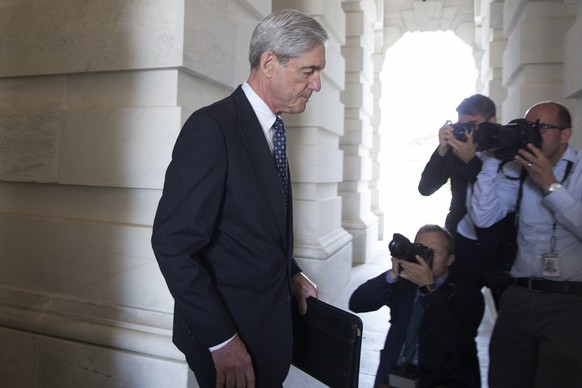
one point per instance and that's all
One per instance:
(543, 127)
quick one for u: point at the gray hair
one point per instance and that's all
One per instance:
(288, 34)
(450, 240)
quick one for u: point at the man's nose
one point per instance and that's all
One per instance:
(315, 82)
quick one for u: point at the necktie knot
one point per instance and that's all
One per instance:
(280, 155)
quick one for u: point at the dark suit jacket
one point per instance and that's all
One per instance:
(437, 172)
(223, 239)
(447, 348)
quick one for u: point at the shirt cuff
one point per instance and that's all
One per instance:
(216, 347)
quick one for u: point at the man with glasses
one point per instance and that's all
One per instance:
(537, 341)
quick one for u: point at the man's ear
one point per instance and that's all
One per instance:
(450, 260)
(268, 63)
(565, 134)
(493, 119)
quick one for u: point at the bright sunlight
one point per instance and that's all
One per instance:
(425, 77)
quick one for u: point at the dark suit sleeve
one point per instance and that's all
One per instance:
(454, 323)
(434, 175)
(470, 170)
(371, 295)
(438, 170)
(184, 222)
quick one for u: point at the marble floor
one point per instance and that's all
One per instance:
(376, 326)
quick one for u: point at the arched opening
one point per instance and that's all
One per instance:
(425, 77)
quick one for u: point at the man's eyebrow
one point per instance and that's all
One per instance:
(312, 67)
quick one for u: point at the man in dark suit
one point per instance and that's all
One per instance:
(223, 232)
(442, 348)
(456, 159)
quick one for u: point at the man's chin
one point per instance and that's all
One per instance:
(300, 108)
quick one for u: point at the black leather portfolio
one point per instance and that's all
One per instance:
(327, 342)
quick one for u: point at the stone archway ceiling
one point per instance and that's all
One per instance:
(430, 15)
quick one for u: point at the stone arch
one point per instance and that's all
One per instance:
(423, 80)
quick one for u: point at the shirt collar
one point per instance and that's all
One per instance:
(264, 114)
(569, 154)
(441, 280)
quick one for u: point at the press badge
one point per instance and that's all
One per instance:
(551, 264)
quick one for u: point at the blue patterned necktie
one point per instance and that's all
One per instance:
(280, 155)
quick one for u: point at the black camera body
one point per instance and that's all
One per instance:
(460, 130)
(505, 140)
(402, 248)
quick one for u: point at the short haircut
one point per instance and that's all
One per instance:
(288, 34)
(563, 118)
(477, 104)
(429, 228)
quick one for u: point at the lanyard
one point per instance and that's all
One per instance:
(553, 238)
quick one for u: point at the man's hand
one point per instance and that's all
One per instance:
(303, 288)
(234, 367)
(463, 150)
(537, 165)
(445, 133)
(418, 273)
(395, 270)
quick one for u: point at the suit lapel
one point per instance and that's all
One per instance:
(260, 155)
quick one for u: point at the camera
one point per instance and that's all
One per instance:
(402, 248)
(505, 140)
(460, 130)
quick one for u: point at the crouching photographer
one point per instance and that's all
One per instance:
(433, 322)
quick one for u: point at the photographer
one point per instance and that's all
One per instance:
(537, 341)
(438, 347)
(456, 159)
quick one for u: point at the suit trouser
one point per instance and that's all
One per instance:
(537, 340)
(471, 266)
(469, 262)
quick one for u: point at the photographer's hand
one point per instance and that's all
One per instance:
(445, 133)
(394, 271)
(418, 273)
(537, 165)
(463, 150)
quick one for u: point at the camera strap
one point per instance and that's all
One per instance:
(522, 178)
(553, 238)
(513, 216)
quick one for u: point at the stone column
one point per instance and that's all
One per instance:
(378, 60)
(573, 74)
(492, 41)
(376, 120)
(357, 142)
(533, 61)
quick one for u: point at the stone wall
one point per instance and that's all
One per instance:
(93, 95)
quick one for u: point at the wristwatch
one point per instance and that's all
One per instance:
(425, 290)
(553, 187)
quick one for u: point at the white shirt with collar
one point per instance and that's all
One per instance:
(264, 114)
